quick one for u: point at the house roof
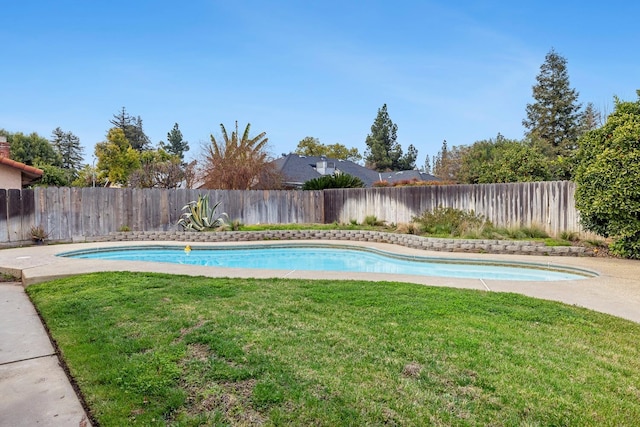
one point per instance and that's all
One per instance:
(407, 175)
(29, 173)
(299, 169)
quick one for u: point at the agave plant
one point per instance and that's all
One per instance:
(200, 217)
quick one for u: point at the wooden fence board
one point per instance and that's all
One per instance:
(4, 232)
(20, 214)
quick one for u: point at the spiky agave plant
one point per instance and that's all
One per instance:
(200, 217)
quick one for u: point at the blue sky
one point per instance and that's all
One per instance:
(455, 70)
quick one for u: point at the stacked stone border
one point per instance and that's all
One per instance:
(408, 240)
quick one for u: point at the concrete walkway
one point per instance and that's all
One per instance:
(34, 388)
(36, 391)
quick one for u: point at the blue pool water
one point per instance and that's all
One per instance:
(330, 258)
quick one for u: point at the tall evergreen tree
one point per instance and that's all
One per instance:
(132, 128)
(590, 119)
(68, 146)
(427, 165)
(408, 160)
(383, 151)
(175, 144)
(554, 118)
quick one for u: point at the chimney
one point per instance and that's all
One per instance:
(325, 168)
(5, 148)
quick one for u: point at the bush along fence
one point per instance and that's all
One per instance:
(77, 214)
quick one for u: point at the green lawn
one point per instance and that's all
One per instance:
(150, 349)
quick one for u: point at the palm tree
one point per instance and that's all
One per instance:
(238, 163)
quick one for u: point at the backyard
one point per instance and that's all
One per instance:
(156, 349)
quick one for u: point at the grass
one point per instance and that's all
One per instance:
(6, 277)
(151, 349)
(296, 226)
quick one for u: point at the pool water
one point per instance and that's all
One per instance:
(331, 258)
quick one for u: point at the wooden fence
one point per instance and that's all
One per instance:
(549, 205)
(69, 214)
(75, 213)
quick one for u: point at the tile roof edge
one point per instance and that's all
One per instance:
(31, 170)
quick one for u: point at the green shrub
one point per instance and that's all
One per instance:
(450, 221)
(626, 246)
(372, 220)
(570, 236)
(535, 232)
(342, 180)
(607, 179)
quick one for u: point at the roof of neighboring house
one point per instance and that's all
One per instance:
(407, 175)
(29, 173)
(299, 169)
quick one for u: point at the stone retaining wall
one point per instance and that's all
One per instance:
(409, 240)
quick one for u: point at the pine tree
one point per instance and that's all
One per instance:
(175, 144)
(382, 149)
(554, 118)
(591, 119)
(408, 161)
(427, 165)
(383, 152)
(132, 128)
(68, 146)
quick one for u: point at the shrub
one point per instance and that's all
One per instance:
(450, 221)
(570, 236)
(38, 233)
(607, 179)
(342, 180)
(372, 220)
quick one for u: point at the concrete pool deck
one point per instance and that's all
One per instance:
(40, 393)
(616, 289)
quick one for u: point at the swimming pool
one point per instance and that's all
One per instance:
(332, 258)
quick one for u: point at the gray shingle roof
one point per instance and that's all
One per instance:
(299, 169)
